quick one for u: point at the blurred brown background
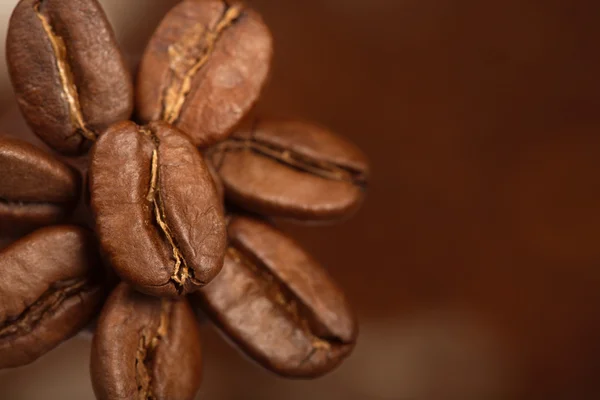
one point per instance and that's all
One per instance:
(474, 264)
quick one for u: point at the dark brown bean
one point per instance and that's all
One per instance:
(69, 77)
(35, 188)
(204, 68)
(51, 287)
(145, 348)
(217, 181)
(291, 169)
(158, 215)
(278, 304)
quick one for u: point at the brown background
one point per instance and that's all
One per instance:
(474, 264)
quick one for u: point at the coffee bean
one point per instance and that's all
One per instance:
(204, 68)
(217, 181)
(291, 169)
(145, 348)
(51, 287)
(158, 215)
(35, 188)
(69, 76)
(278, 304)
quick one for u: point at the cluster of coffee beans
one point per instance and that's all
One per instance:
(181, 202)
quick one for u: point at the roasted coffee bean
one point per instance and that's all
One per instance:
(35, 188)
(278, 304)
(291, 169)
(145, 348)
(217, 181)
(158, 215)
(204, 68)
(51, 287)
(69, 77)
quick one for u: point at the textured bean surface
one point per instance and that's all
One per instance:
(145, 348)
(35, 188)
(291, 169)
(68, 74)
(51, 287)
(158, 215)
(278, 304)
(204, 68)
